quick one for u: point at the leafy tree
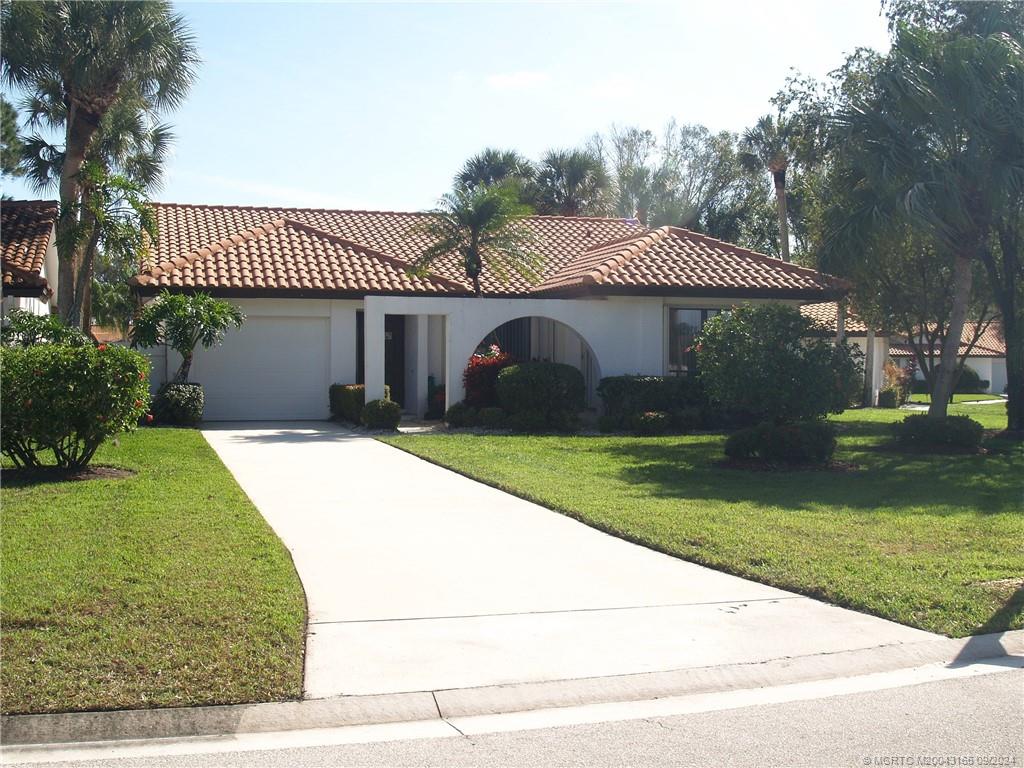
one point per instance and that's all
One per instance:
(495, 166)
(769, 146)
(936, 143)
(770, 361)
(572, 182)
(77, 62)
(182, 322)
(10, 141)
(481, 225)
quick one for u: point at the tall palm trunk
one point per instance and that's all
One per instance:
(945, 375)
(779, 177)
(79, 133)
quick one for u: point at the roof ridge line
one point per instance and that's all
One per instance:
(48, 203)
(631, 249)
(373, 252)
(245, 236)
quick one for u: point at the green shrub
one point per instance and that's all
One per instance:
(770, 361)
(491, 418)
(347, 401)
(546, 394)
(898, 381)
(626, 396)
(651, 423)
(960, 433)
(888, 398)
(607, 424)
(24, 329)
(688, 419)
(530, 422)
(802, 442)
(68, 399)
(743, 443)
(382, 414)
(480, 379)
(970, 382)
(461, 415)
(179, 403)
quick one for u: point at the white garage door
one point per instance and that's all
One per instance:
(271, 368)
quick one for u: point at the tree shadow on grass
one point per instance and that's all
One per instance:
(986, 643)
(925, 483)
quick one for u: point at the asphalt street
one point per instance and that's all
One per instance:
(971, 721)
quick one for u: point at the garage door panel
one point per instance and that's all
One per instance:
(271, 368)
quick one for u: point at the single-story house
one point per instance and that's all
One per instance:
(28, 258)
(872, 344)
(987, 356)
(328, 299)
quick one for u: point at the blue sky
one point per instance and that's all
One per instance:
(377, 105)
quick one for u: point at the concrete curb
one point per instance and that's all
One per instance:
(76, 727)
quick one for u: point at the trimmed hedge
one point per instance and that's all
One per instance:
(461, 415)
(801, 442)
(347, 401)
(492, 418)
(970, 382)
(540, 396)
(888, 398)
(651, 423)
(381, 414)
(179, 403)
(950, 433)
(68, 399)
(626, 396)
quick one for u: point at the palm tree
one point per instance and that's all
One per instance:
(572, 182)
(10, 141)
(482, 225)
(77, 61)
(495, 166)
(937, 144)
(768, 145)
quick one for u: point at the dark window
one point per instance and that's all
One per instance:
(512, 337)
(684, 326)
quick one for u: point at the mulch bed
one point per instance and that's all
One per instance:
(760, 465)
(20, 477)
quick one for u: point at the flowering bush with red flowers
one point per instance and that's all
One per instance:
(481, 377)
(68, 399)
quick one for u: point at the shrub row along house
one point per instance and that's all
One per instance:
(329, 299)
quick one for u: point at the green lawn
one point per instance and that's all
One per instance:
(925, 398)
(936, 542)
(163, 589)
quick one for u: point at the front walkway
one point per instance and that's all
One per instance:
(419, 579)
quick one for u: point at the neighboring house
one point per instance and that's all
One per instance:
(987, 356)
(328, 299)
(29, 256)
(874, 345)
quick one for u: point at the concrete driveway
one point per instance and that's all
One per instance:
(419, 579)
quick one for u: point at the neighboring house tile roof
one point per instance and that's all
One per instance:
(989, 344)
(26, 227)
(825, 314)
(288, 255)
(193, 243)
(670, 258)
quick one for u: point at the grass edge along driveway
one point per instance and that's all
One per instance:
(163, 589)
(935, 542)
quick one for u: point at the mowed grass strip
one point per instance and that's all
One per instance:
(959, 397)
(936, 542)
(162, 589)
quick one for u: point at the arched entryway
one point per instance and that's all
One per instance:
(535, 337)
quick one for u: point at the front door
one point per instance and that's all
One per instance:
(394, 356)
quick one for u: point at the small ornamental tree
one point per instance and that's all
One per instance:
(68, 399)
(480, 378)
(774, 363)
(183, 322)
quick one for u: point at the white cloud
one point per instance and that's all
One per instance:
(522, 80)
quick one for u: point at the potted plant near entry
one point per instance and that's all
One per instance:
(183, 322)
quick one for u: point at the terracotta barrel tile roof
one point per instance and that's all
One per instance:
(825, 314)
(289, 255)
(989, 344)
(675, 258)
(25, 230)
(617, 254)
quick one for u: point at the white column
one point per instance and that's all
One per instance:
(421, 363)
(343, 343)
(373, 348)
